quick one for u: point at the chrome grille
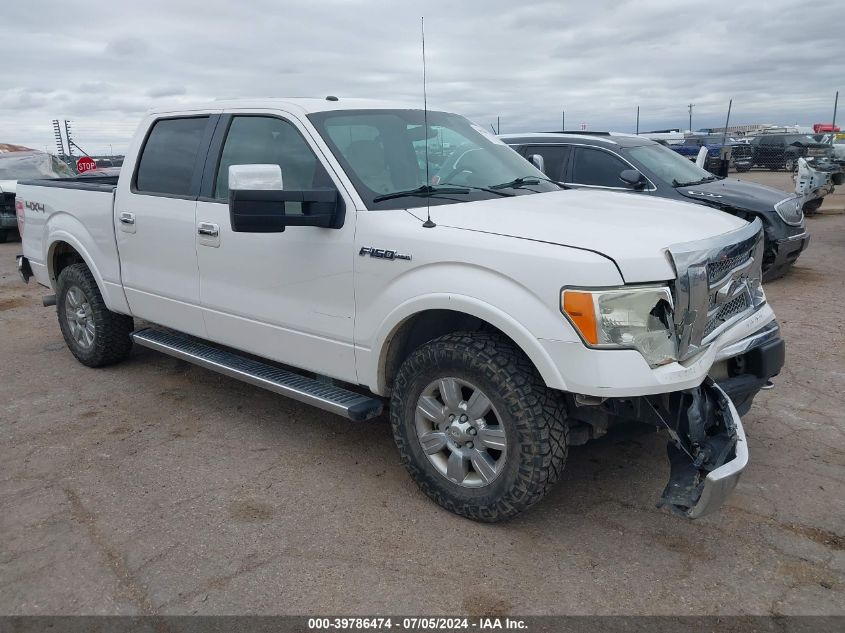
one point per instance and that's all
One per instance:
(718, 269)
(726, 312)
(718, 283)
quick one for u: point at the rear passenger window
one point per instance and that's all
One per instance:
(169, 156)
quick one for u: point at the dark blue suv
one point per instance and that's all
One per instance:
(627, 163)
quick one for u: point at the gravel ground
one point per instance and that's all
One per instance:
(158, 487)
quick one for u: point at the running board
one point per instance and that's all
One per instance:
(324, 396)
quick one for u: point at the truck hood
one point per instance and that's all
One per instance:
(8, 186)
(631, 229)
(739, 194)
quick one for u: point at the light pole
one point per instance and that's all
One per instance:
(690, 106)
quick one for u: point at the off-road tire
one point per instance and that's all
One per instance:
(112, 342)
(534, 418)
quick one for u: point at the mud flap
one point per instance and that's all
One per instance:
(704, 454)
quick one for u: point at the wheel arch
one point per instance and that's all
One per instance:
(411, 326)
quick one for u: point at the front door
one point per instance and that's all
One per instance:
(285, 296)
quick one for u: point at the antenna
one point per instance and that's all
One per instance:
(428, 223)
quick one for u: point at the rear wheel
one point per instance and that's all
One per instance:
(476, 427)
(95, 335)
(790, 164)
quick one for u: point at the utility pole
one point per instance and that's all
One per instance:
(638, 120)
(498, 125)
(690, 106)
(563, 120)
(833, 123)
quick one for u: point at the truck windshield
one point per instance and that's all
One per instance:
(32, 166)
(669, 166)
(384, 153)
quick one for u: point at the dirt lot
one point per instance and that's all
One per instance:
(158, 487)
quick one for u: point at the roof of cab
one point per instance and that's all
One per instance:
(298, 105)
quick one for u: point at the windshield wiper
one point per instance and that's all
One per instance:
(520, 182)
(700, 181)
(423, 192)
(486, 189)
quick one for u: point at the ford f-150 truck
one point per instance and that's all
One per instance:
(319, 249)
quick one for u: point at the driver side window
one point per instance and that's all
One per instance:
(253, 140)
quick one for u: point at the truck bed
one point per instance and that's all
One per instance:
(80, 213)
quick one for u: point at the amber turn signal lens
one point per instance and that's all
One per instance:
(578, 306)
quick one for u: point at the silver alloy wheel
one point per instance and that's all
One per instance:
(79, 317)
(461, 432)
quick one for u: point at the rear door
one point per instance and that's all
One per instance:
(285, 296)
(155, 222)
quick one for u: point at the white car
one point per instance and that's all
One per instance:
(501, 317)
(17, 163)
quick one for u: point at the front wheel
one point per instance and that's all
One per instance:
(790, 164)
(476, 427)
(95, 335)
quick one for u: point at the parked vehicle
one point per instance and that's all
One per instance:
(839, 150)
(621, 162)
(504, 318)
(16, 163)
(741, 153)
(782, 151)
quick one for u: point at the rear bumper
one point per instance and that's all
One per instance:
(8, 221)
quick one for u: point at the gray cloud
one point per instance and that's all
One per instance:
(167, 91)
(523, 61)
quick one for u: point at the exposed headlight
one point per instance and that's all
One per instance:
(627, 318)
(790, 210)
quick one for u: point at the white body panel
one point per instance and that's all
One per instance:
(307, 298)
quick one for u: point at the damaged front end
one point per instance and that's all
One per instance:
(707, 448)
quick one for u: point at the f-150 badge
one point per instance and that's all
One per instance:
(382, 253)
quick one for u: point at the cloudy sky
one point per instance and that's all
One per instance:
(103, 64)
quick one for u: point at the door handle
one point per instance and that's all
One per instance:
(207, 229)
(127, 218)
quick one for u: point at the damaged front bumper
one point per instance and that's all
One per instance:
(708, 451)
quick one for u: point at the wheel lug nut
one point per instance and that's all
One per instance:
(451, 417)
(469, 445)
(464, 418)
(472, 431)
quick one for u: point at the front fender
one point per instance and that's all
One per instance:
(516, 331)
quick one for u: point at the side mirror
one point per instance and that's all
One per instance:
(258, 204)
(263, 177)
(538, 161)
(632, 178)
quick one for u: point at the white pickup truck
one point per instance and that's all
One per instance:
(346, 252)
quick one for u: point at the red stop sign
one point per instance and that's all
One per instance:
(85, 163)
